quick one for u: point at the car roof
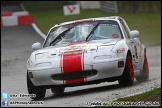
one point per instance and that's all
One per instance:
(89, 19)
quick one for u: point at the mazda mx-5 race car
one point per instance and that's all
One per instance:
(87, 51)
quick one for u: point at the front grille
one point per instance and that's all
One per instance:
(74, 75)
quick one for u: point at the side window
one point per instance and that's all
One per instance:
(125, 29)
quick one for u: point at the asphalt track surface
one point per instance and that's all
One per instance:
(14, 7)
(16, 44)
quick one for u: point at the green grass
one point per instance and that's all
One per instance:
(139, 97)
(47, 14)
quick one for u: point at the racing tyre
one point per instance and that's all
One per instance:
(144, 74)
(38, 91)
(58, 90)
(127, 77)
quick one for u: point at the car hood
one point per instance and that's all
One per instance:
(93, 45)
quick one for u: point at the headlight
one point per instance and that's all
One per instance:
(41, 56)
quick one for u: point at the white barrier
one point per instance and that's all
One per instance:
(13, 21)
(38, 31)
(10, 20)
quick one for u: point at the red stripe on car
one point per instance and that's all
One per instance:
(72, 63)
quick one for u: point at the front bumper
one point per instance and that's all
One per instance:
(108, 69)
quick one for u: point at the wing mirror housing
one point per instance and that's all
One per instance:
(36, 46)
(134, 33)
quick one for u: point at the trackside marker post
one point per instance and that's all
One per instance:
(71, 9)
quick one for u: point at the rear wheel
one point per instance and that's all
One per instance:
(58, 90)
(127, 77)
(144, 74)
(38, 91)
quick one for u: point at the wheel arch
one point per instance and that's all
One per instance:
(129, 52)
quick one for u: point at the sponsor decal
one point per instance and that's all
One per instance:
(76, 46)
(133, 49)
(140, 49)
(115, 35)
(136, 52)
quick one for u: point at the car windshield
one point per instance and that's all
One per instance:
(83, 31)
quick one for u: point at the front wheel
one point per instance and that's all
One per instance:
(127, 77)
(38, 91)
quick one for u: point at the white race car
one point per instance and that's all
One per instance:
(87, 51)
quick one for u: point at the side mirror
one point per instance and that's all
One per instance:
(36, 46)
(134, 33)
